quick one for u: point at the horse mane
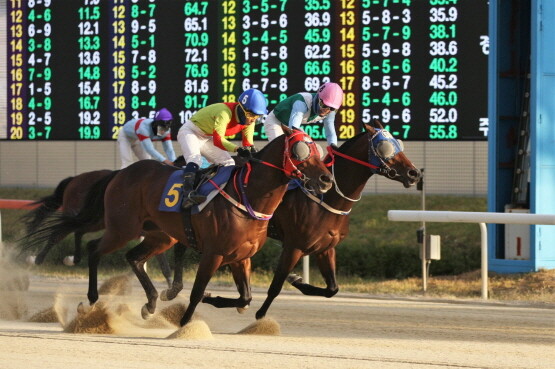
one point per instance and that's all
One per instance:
(60, 225)
(47, 205)
(347, 144)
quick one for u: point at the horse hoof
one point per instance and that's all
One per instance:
(243, 309)
(69, 260)
(145, 313)
(82, 309)
(167, 295)
(31, 259)
(294, 278)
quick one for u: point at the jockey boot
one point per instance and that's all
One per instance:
(190, 196)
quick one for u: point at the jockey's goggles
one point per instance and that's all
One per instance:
(324, 106)
(250, 115)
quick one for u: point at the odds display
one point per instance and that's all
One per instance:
(79, 69)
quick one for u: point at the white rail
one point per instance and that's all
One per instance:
(472, 217)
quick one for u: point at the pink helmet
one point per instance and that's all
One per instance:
(331, 95)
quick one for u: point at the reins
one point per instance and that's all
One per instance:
(240, 186)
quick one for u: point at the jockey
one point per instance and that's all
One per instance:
(204, 134)
(136, 136)
(303, 108)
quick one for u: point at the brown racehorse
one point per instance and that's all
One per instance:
(69, 197)
(310, 225)
(224, 233)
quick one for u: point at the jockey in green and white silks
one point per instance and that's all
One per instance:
(136, 137)
(304, 108)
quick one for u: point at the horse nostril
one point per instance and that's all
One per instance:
(325, 179)
(414, 173)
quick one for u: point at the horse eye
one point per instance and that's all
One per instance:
(385, 149)
(300, 150)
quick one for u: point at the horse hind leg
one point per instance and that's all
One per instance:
(137, 257)
(326, 264)
(241, 275)
(165, 268)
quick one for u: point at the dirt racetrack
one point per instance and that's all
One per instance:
(347, 331)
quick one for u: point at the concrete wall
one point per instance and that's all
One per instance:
(451, 167)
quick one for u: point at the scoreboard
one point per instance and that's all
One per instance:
(79, 69)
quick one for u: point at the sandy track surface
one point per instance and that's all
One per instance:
(347, 331)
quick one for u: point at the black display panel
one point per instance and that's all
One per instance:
(79, 69)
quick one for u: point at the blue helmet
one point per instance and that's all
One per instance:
(253, 100)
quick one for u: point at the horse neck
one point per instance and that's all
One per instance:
(266, 185)
(349, 176)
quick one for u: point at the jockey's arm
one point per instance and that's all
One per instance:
(248, 135)
(297, 114)
(220, 125)
(149, 148)
(329, 128)
(168, 148)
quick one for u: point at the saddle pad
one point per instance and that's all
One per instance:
(173, 191)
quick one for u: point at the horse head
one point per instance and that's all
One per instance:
(301, 160)
(387, 154)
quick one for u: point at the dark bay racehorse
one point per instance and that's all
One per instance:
(69, 197)
(224, 232)
(311, 225)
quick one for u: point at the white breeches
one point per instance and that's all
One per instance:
(129, 147)
(272, 126)
(195, 144)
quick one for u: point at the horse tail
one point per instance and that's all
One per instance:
(58, 226)
(47, 205)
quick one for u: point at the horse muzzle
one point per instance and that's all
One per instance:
(322, 185)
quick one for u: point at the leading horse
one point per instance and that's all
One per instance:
(322, 222)
(228, 230)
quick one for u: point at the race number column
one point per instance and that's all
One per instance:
(348, 69)
(228, 53)
(16, 92)
(118, 62)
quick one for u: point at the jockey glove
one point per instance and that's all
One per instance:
(244, 152)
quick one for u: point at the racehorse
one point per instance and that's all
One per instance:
(311, 225)
(228, 230)
(69, 197)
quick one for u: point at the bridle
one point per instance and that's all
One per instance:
(376, 162)
(293, 156)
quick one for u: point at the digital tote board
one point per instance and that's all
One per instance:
(79, 69)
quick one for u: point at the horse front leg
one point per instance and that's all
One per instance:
(326, 264)
(207, 267)
(241, 272)
(177, 284)
(287, 261)
(165, 268)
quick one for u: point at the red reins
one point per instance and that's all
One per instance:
(331, 153)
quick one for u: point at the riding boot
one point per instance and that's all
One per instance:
(190, 196)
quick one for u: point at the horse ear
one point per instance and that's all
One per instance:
(286, 130)
(378, 124)
(369, 128)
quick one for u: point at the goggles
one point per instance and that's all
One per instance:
(324, 106)
(250, 115)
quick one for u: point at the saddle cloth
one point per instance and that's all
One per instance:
(173, 191)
